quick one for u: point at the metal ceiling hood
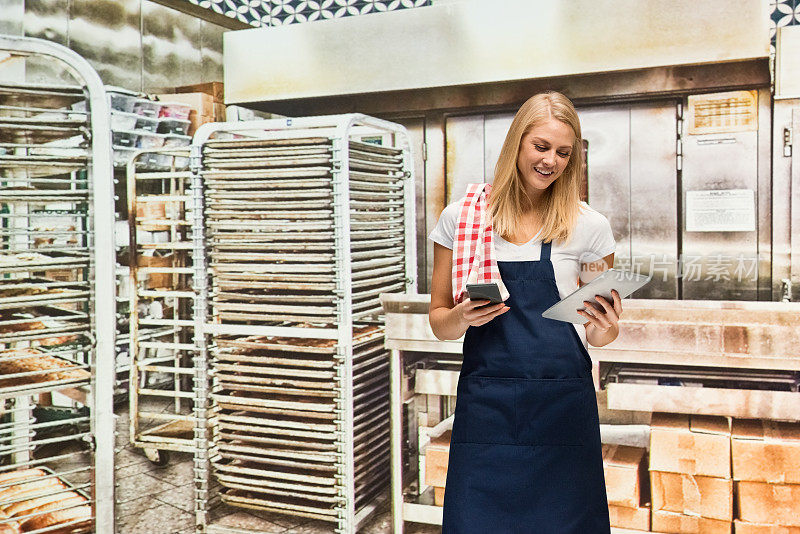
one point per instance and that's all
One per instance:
(474, 42)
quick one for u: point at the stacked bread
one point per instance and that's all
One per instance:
(12, 363)
(31, 500)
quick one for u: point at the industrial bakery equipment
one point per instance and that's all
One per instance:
(57, 307)
(161, 302)
(299, 225)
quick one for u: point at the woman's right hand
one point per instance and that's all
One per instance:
(448, 320)
(477, 313)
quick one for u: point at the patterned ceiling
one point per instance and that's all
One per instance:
(280, 12)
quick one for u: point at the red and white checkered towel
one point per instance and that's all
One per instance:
(473, 250)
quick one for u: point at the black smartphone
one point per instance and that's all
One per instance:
(490, 292)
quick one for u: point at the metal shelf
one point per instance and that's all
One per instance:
(295, 377)
(160, 347)
(56, 332)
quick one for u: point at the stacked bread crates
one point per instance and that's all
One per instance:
(308, 220)
(56, 317)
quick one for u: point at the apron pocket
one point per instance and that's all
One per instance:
(485, 410)
(553, 412)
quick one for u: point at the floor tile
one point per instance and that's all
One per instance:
(159, 519)
(141, 485)
(245, 520)
(313, 527)
(133, 469)
(133, 507)
(286, 521)
(181, 497)
(129, 455)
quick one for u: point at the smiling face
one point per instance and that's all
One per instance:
(544, 153)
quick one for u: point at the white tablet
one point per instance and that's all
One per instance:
(624, 282)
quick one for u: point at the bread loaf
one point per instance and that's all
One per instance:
(11, 527)
(66, 503)
(38, 361)
(29, 489)
(19, 474)
(62, 516)
(23, 507)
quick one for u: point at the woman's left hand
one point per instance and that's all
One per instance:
(603, 314)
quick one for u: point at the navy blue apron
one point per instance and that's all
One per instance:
(525, 453)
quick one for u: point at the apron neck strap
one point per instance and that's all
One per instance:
(545, 255)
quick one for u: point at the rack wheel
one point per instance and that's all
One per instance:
(157, 457)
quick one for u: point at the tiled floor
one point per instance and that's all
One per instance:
(153, 500)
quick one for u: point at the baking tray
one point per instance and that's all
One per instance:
(381, 198)
(28, 168)
(49, 473)
(320, 475)
(256, 428)
(284, 226)
(396, 252)
(217, 197)
(35, 134)
(35, 387)
(52, 291)
(269, 351)
(388, 160)
(279, 489)
(368, 265)
(394, 178)
(34, 95)
(220, 245)
(375, 168)
(234, 317)
(261, 440)
(62, 322)
(213, 145)
(244, 175)
(306, 480)
(269, 152)
(373, 148)
(278, 281)
(249, 213)
(265, 162)
(395, 225)
(269, 233)
(306, 459)
(375, 280)
(278, 402)
(362, 335)
(395, 188)
(362, 279)
(245, 185)
(267, 258)
(219, 266)
(230, 284)
(30, 261)
(222, 401)
(291, 506)
(287, 297)
(276, 386)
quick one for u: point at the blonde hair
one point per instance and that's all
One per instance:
(561, 200)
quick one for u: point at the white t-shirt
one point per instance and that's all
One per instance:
(591, 240)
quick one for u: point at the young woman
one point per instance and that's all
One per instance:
(525, 453)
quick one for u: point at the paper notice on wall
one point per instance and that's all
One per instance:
(729, 210)
(732, 111)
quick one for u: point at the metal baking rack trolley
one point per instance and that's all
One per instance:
(57, 308)
(308, 220)
(161, 303)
